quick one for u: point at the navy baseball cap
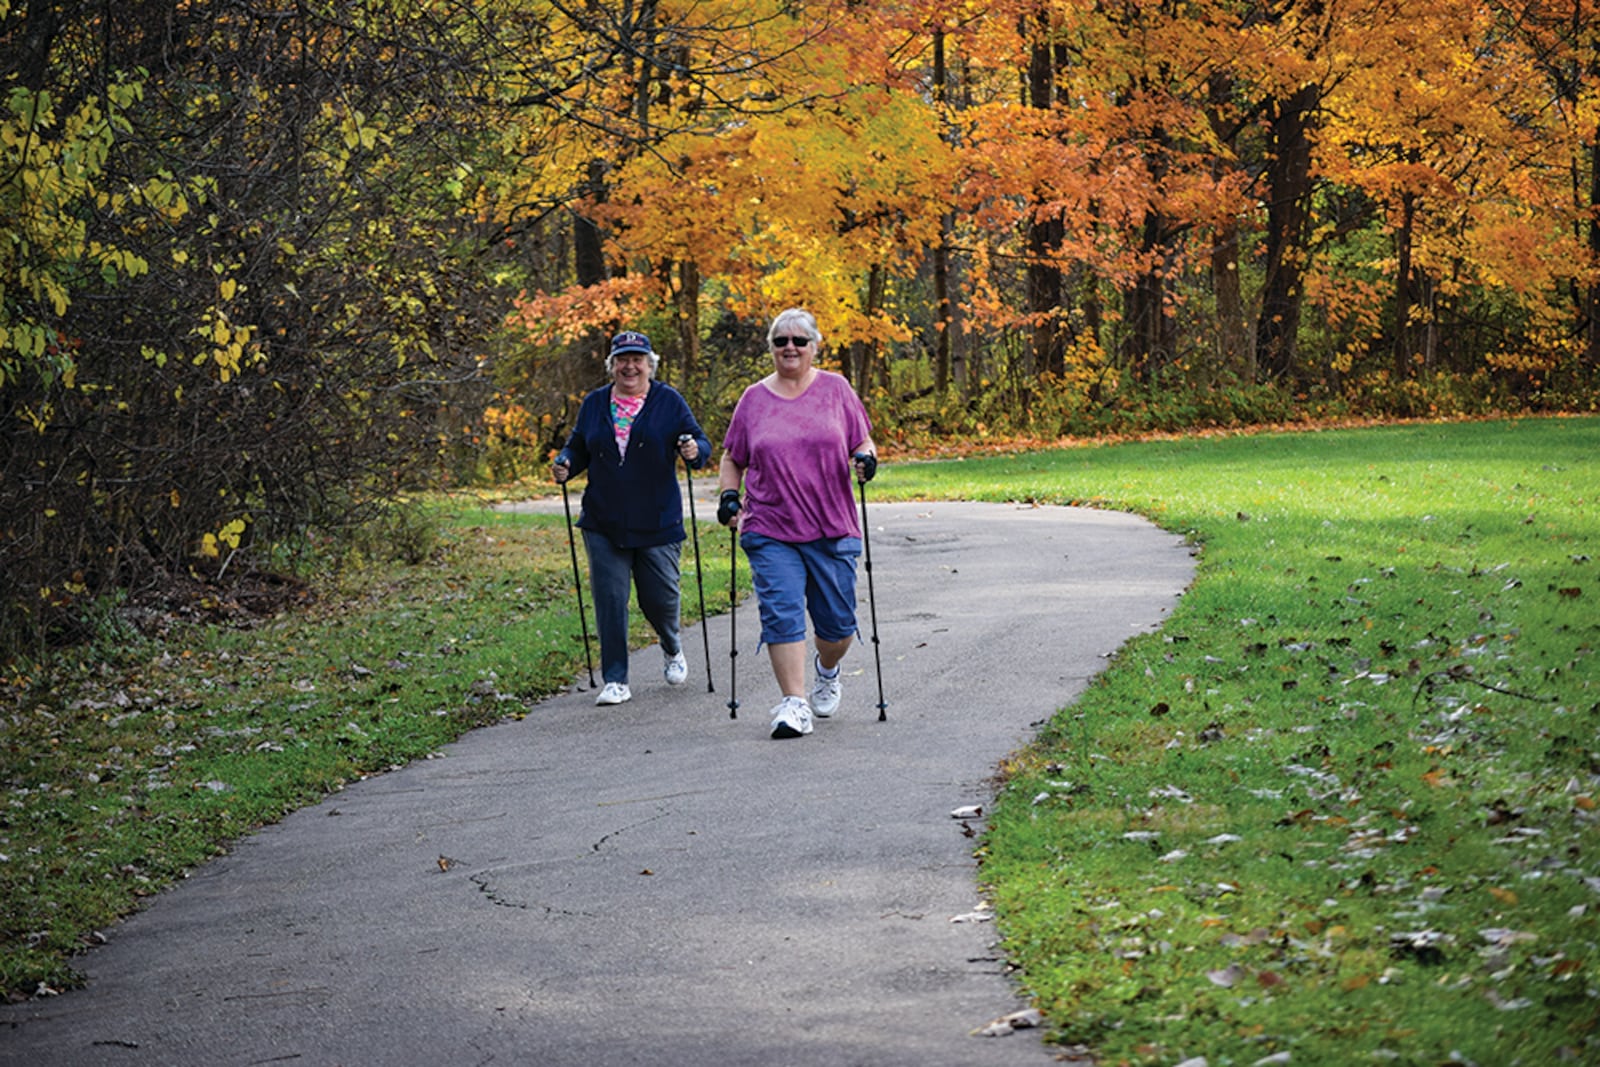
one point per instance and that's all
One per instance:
(630, 341)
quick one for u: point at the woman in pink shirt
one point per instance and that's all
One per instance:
(795, 440)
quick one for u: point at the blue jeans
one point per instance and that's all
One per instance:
(654, 573)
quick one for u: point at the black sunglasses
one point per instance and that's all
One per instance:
(783, 342)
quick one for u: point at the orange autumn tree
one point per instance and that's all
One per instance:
(796, 178)
(810, 205)
(585, 93)
(1086, 194)
(1424, 138)
(1150, 192)
(1541, 235)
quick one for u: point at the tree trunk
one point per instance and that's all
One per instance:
(941, 250)
(1402, 287)
(686, 320)
(1044, 296)
(1151, 330)
(1234, 351)
(877, 286)
(1288, 212)
(941, 308)
(32, 58)
(588, 253)
(1236, 355)
(864, 366)
(1044, 234)
(1589, 311)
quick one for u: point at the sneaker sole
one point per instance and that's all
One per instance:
(784, 731)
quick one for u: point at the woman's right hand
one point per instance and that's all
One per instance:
(560, 472)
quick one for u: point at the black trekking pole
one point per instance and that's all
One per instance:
(577, 583)
(872, 599)
(699, 581)
(733, 618)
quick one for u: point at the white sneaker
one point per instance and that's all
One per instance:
(676, 668)
(613, 693)
(824, 690)
(791, 718)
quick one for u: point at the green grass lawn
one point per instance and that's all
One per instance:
(1342, 807)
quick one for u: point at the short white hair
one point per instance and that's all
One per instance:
(792, 321)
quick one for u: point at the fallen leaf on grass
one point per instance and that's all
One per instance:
(1516, 1004)
(1228, 977)
(1255, 937)
(1502, 937)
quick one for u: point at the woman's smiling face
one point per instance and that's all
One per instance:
(630, 372)
(793, 357)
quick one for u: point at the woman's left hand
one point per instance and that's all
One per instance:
(688, 447)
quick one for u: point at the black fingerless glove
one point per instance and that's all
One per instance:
(866, 466)
(728, 507)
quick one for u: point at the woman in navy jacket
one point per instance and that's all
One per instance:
(628, 436)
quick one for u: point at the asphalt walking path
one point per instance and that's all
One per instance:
(656, 883)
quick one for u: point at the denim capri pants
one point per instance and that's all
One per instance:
(792, 579)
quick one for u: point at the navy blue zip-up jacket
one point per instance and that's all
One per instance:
(635, 501)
